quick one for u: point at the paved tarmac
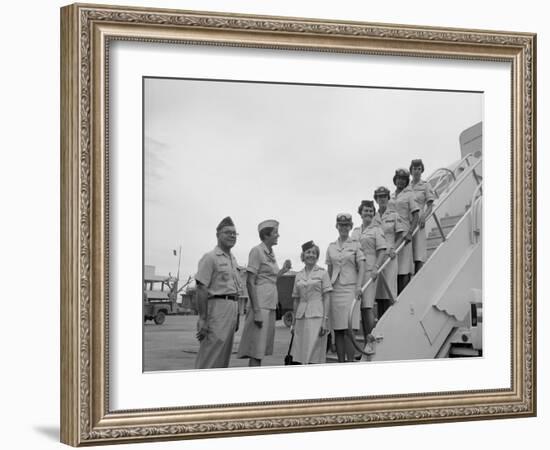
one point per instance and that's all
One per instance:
(173, 345)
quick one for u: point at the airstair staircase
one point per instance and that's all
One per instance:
(441, 298)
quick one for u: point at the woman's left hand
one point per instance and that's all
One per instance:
(422, 221)
(374, 274)
(323, 330)
(358, 292)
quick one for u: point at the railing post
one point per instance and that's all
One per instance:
(476, 176)
(439, 227)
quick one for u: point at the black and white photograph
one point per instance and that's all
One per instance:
(296, 224)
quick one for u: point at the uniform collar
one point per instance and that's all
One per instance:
(404, 191)
(266, 250)
(345, 242)
(387, 212)
(371, 225)
(220, 252)
(314, 269)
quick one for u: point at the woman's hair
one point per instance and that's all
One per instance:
(364, 203)
(265, 232)
(317, 250)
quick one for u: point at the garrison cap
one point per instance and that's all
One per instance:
(416, 163)
(364, 203)
(226, 222)
(367, 203)
(307, 245)
(271, 223)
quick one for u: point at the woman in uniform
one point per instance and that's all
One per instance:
(346, 268)
(259, 329)
(407, 209)
(373, 244)
(388, 220)
(424, 198)
(311, 296)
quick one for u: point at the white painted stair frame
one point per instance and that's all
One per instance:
(435, 302)
(463, 267)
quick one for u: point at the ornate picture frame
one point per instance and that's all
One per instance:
(87, 31)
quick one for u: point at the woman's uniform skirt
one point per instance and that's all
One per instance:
(341, 299)
(405, 263)
(308, 347)
(367, 298)
(257, 342)
(390, 275)
(419, 245)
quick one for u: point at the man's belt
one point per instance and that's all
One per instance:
(233, 297)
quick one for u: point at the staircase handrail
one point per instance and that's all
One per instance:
(473, 206)
(471, 169)
(466, 159)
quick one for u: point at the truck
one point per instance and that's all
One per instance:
(159, 296)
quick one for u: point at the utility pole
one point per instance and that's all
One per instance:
(179, 261)
(177, 278)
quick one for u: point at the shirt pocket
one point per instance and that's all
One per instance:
(301, 286)
(224, 271)
(315, 284)
(348, 255)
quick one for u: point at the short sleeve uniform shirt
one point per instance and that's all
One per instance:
(423, 193)
(344, 260)
(371, 240)
(309, 288)
(218, 271)
(262, 262)
(388, 222)
(405, 205)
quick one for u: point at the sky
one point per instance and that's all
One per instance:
(299, 154)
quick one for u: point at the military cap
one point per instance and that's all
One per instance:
(344, 218)
(271, 223)
(401, 173)
(416, 163)
(381, 190)
(364, 203)
(226, 222)
(307, 245)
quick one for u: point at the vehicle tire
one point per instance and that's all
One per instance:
(159, 318)
(288, 317)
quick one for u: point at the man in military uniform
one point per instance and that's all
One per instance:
(218, 289)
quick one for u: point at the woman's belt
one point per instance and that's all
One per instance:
(233, 297)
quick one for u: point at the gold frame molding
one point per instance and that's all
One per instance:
(86, 31)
